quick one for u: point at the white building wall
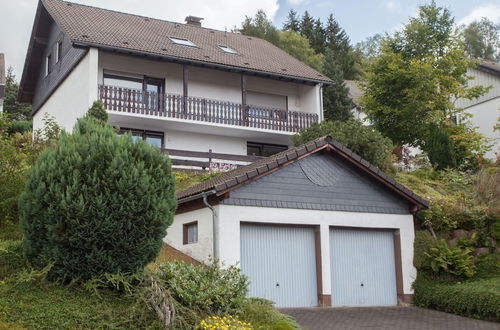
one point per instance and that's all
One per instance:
(203, 249)
(204, 142)
(74, 96)
(230, 218)
(485, 116)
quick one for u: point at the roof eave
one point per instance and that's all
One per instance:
(79, 43)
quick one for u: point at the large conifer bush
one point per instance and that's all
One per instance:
(97, 203)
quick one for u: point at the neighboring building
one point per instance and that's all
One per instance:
(2, 80)
(314, 225)
(485, 110)
(355, 94)
(179, 86)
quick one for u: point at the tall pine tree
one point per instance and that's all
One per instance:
(337, 104)
(292, 22)
(307, 25)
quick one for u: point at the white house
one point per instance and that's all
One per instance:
(180, 86)
(485, 110)
(314, 225)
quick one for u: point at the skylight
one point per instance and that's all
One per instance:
(183, 42)
(226, 49)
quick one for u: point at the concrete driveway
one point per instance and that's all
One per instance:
(386, 318)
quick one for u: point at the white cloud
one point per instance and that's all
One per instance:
(217, 14)
(491, 11)
(391, 5)
(296, 2)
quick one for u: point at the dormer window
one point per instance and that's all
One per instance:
(183, 42)
(58, 51)
(226, 49)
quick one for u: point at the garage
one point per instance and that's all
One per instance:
(280, 263)
(363, 271)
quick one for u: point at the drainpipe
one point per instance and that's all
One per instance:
(204, 195)
(214, 226)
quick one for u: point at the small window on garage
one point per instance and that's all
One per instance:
(190, 233)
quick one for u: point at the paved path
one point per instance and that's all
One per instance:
(386, 318)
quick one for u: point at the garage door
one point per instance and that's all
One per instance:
(280, 264)
(363, 269)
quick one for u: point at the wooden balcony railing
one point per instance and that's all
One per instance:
(202, 109)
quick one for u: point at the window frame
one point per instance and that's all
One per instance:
(143, 133)
(48, 66)
(58, 51)
(227, 49)
(185, 232)
(262, 145)
(182, 42)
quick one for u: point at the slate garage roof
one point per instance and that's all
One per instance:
(245, 174)
(91, 26)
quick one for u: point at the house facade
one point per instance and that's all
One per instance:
(485, 110)
(312, 226)
(179, 86)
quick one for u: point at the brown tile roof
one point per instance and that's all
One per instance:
(110, 29)
(245, 174)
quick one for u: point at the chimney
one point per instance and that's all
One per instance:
(193, 20)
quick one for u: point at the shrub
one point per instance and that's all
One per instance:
(363, 140)
(98, 112)
(97, 203)
(263, 315)
(478, 299)
(11, 258)
(422, 246)
(440, 148)
(210, 289)
(451, 260)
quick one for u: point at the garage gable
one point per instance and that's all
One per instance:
(321, 181)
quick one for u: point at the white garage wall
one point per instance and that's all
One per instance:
(229, 232)
(201, 250)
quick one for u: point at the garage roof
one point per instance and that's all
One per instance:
(246, 174)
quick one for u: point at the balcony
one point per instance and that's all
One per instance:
(189, 108)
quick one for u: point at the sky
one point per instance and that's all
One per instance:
(360, 18)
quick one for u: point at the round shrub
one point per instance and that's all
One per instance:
(97, 203)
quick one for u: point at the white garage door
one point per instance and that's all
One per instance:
(363, 269)
(280, 264)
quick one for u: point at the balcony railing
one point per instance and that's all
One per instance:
(201, 109)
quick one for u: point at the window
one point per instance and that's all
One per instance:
(183, 42)
(226, 49)
(48, 64)
(58, 51)
(264, 149)
(190, 233)
(151, 137)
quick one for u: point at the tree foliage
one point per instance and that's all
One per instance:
(482, 39)
(97, 203)
(337, 104)
(260, 26)
(17, 110)
(298, 46)
(415, 81)
(292, 22)
(98, 112)
(363, 140)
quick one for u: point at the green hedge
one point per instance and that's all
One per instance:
(478, 299)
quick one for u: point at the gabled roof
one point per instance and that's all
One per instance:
(246, 174)
(107, 29)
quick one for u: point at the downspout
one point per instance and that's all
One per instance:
(321, 110)
(204, 195)
(214, 226)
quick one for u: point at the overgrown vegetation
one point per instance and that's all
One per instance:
(363, 140)
(456, 253)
